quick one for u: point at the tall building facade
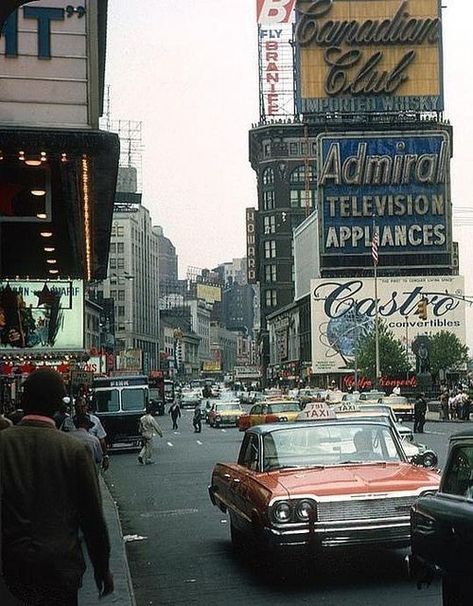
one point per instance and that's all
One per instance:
(133, 279)
(168, 264)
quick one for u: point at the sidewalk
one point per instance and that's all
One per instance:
(123, 594)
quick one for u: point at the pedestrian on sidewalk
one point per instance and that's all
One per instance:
(197, 419)
(50, 493)
(81, 407)
(148, 428)
(420, 408)
(444, 404)
(82, 432)
(175, 412)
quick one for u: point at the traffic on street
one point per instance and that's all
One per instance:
(181, 552)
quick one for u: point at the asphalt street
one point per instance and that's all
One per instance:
(180, 552)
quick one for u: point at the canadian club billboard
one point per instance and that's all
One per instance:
(343, 313)
(358, 56)
(398, 182)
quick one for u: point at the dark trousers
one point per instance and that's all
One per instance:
(174, 421)
(197, 426)
(35, 595)
(419, 422)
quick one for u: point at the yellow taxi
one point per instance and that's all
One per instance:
(270, 411)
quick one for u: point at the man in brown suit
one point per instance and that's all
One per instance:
(49, 491)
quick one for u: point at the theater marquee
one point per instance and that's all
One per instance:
(357, 56)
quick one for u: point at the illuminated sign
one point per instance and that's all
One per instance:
(42, 316)
(251, 245)
(274, 12)
(398, 181)
(357, 56)
(343, 313)
(49, 61)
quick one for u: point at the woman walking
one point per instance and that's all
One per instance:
(175, 412)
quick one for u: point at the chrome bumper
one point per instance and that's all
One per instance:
(394, 532)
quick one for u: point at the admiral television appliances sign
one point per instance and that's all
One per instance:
(396, 182)
(343, 313)
(357, 56)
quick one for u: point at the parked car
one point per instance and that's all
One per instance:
(372, 396)
(270, 411)
(226, 413)
(442, 527)
(320, 484)
(402, 408)
(190, 399)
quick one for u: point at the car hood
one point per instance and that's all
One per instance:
(356, 479)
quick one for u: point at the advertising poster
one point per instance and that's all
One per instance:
(40, 316)
(343, 312)
(396, 182)
(358, 56)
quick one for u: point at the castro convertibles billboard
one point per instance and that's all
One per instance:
(42, 316)
(358, 56)
(396, 182)
(343, 311)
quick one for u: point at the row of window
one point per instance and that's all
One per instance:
(270, 249)
(297, 175)
(271, 273)
(298, 198)
(294, 148)
(117, 247)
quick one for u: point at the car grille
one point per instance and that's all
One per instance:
(365, 509)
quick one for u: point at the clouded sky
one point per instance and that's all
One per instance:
(188, 70)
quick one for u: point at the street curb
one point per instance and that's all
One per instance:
(106, 494)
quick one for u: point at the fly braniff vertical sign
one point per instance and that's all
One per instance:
(275, 20)
(359, 56)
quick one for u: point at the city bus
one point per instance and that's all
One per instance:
(119, 402)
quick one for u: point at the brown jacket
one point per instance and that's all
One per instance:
(49, 489)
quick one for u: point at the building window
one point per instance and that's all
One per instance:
(270, 249)
(269, 224)
(121, 295)
(293, 273)
(268, 176)
(118, 230)
(268, 200)
(293, 148)
(120, 247)
(113, 263)
(270, 273)
(120, 263)
(121, 311)
(267, 150)
(113, 247)
(299, 197)
(113, 294)
(271, 298)
(298, 174)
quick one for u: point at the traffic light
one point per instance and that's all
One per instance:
(422, 309)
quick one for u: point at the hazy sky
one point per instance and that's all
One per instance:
(188, 70)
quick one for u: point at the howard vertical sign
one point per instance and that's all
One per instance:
(398, 180)
(251, 245)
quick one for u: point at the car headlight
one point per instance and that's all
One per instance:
(282, 512)
(305, 510)
(218, 418)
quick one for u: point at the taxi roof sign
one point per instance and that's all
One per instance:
(316, 411)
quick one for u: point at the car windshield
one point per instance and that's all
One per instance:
(227, 407)
(134, 399)
(329, 444)
(284, 407)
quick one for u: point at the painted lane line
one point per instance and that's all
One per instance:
(224, 431)
(199, 442)
(170, 444)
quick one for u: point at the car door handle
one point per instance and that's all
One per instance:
(227, 476)
(236, 480)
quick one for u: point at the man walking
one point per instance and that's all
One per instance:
(148, 428)
(175, 412)
(420, 408)
(197, 419)
(50, 492)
